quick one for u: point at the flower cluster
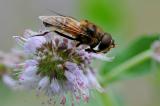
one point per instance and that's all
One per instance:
(8, 62)
(55, 66)
(156, 50)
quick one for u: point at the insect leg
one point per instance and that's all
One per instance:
(61, 34)
(91, 50)
(43, 34)
(78, 44)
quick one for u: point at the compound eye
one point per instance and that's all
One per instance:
(105, 42)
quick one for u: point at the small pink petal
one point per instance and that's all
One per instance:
(63, 101)
(86, 98)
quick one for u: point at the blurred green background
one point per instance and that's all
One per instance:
(134, 24)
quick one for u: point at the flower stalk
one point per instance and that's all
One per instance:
(127, 65)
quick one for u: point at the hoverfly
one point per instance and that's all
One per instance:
(82, 31)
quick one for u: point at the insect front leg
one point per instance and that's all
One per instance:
(91, 50)
(78, 44)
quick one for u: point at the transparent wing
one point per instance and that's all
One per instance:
(65, 24)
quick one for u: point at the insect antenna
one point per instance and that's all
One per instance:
(55, 12)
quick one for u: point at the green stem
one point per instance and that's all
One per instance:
(127, 65)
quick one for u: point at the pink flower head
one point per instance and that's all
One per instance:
(55, 66)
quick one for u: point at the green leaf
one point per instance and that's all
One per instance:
(131, 55)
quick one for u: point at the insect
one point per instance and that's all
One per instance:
(84, 32)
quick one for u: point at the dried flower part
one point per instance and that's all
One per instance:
(2, 70)
(156, 50)
(55, 66)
